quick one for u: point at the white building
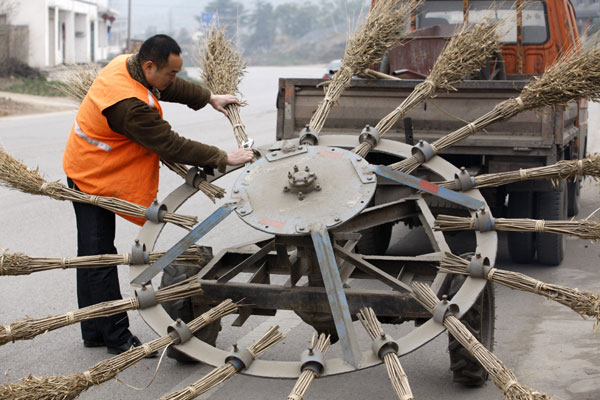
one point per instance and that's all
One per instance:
(65, 31)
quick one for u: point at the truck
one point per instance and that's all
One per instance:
(532, 38)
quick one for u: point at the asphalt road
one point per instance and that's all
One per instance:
(548, 346)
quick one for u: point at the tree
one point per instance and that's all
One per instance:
(263, 25)
(229, 13)
(296, 20)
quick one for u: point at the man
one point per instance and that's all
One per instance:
(114, 149)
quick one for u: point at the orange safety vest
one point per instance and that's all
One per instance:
(101, 161)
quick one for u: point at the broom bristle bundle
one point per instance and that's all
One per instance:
(69, 387)
(225, 371)
(584, 229)
(503, 377)
(321, 343)
(78, 82)
(583, 302)
(565, 169)
(573, 76)
(396, 373)
(383, 28)
(29, 328)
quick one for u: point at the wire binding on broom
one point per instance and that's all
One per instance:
(565, 169)
(383, 28)
(466, 53)
(394, 368)
(321, 344)
(227, 370)
(22, 264)
(71, 386)
(15, 175)
(573, 76)
(503, 378)
(76, 86)
(29, 328)
(222, 71)
(583, 302)
(584, 229)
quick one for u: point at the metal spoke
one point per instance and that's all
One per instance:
(335, 293)
(202, 229)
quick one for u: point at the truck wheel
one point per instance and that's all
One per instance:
(479, 320)
(573, 190)
(186, 309)
(375, 240)
(521, 246)
(551, 246)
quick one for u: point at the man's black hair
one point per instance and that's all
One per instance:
(157, 49)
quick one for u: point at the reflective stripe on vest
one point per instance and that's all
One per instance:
(88, 139)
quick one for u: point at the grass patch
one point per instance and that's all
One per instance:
(38, 87)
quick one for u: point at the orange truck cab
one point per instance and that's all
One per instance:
(533, 35)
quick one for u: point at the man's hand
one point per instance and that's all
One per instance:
(240, 156)
(219, 101)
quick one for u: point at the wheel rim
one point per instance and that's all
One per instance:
(158, 319)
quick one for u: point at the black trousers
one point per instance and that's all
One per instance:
(96, 235)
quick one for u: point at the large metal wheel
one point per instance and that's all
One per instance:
(312, 238)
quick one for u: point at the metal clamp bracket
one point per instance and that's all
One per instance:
(484, 221)
(240, 359)
(139, 255)
(443, 309)
(179, 331)
(156, 212)
(463, 180)
(479, 267)
(370, 135)
(384, 345)
(309, 136)
(194, 176)
(146, 297)
(312, 360)
(423, 151)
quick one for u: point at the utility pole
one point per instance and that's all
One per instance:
(129, 27)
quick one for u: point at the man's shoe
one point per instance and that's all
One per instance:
(133, 341)
(93, 343)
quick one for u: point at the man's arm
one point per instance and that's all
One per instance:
(137, 121)
(184, 92)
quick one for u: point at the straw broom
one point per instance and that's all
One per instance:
(466, 53)
(227, 370)
(28, 328)
(307, 376)
(583, 302)
(566, 169)
(77, 84)
(222, 71)
(503, 378)
(22, 264)
(392, 363)
(573, 76)
(584, 229)
(383, 28)
(15, 175)
(71, 386)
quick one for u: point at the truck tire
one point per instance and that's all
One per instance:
(375, 240)
(479, 320)
(573, 191)
(551, 246)
(186, 309)
(521, 246)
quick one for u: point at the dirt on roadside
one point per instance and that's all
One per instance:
(11, 107)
